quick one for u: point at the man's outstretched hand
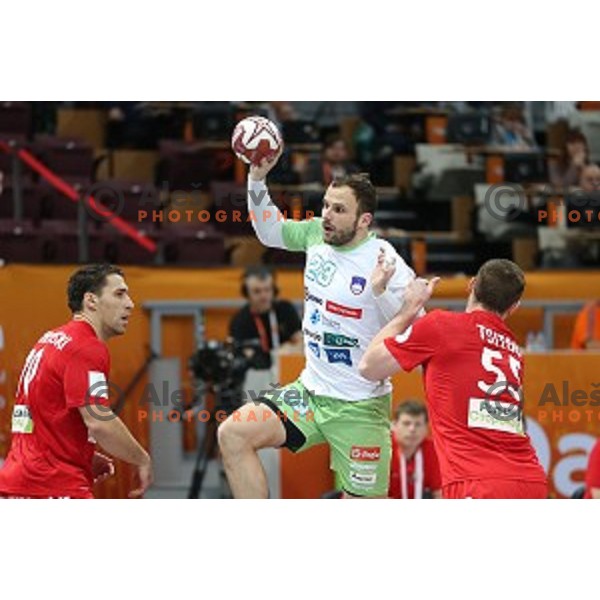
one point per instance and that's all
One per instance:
(419, 291)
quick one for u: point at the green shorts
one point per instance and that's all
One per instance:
(358, 434)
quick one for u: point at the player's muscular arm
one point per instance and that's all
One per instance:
(595, 493)
(115, 438)
(268, 221)
(377, 362)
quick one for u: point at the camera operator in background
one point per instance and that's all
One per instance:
(265, 327)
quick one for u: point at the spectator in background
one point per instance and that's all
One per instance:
(511, 130)
(415, 472)
(589, 180)
(588, 250)
(586, 334)
(592, 476)
(333, 163)
(566, 171)
(559, 250)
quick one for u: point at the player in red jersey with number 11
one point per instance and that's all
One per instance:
(61, 408)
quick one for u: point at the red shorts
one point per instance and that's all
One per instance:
(496, 488)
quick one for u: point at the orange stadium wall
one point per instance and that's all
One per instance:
(33, 300)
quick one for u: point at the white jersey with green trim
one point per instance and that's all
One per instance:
(341, 314)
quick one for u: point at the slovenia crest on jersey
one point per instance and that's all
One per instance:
(357, 285)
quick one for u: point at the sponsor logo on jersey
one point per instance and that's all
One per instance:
(314, 348)
(482, 416)
(311, 297)
(312, 335)
(315, 317)
(21, 419)
(339, 341)
(344, 311)
(331, 323)
(365, 453)
(364, 466)
(357, 285)
(320, 271)
(363, 479)
(338, 356)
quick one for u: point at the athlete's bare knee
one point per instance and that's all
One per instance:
(252, 427)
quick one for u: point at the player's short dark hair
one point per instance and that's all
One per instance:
(414, 408)
(91, 278)
(364, 191)
(499, 284)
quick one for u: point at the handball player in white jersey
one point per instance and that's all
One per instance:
(353, 286)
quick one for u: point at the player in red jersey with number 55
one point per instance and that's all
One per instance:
(473, 370)
(61, 408)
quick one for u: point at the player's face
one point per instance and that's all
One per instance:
(341, 221)
(114, 306)
(260, 293)
(410, 431)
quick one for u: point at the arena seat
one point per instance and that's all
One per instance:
(60, 242)
(184, 246)
(135, 195)
(54, 205)
(186, 166)
(70, 158)
(122, 250)
(19, 242)
(15, 120)
(32, 206)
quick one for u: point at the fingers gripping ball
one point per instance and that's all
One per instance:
(254, 139)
